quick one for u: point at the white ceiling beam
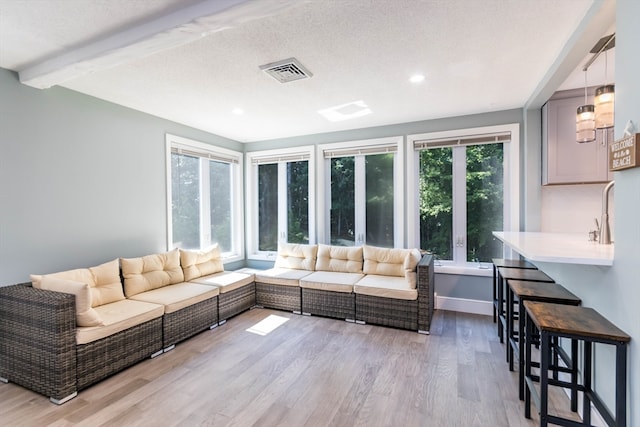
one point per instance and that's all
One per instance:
(169, 31)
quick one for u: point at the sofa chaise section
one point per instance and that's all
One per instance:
(189, 308)
(205, 267)
(279, 287)
(329, 290)
(66, 331)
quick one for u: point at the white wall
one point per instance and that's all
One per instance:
(82, 181)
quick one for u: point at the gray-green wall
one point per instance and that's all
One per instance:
(82, 181)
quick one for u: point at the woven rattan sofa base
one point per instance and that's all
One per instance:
(393, 312)
(426, 294)
(236, 301)
(188, 321)
(340, 305)
(101, 358)
(279, 297)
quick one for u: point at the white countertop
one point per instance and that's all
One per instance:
(567, 248)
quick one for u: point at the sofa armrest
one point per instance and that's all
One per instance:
(38, 340)
(425, 286)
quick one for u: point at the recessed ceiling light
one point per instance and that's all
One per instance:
(417, 78)
(347, 111)
(238, 111)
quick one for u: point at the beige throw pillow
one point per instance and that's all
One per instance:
(85, 314)
(200, 263)
(103, 280)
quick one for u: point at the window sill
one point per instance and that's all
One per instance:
(484, 270)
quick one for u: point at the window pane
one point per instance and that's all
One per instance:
(379, 195)
(185, 201)
(220, 204)
(484, 201)
(298, 202)
(436, 215)
(268, 207)
(342, 201)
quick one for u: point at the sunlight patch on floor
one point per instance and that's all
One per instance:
(267, 325)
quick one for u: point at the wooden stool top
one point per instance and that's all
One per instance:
(543, 292)
(521, 274)
(576, 321)
(513, 263)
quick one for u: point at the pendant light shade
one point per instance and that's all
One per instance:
(586, 124)
(604, 102)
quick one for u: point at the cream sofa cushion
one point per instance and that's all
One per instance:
(118, 316)
(390, 262)
(386, 287)
(103, 280)
(281, 276)
(331, 281)
(296, 256)
(344, 259)
(151, 272)
(200, 263)
(226, 281)
(85, 314)
(178, 296)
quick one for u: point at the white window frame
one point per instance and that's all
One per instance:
(281, 157)
(324, 185)
(511, 200)
(237, 199)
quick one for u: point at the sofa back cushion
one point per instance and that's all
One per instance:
(384, 261)
(151, 272)
(85, 314)
(296, 256)
(103, 280)
(344, 259)
(201, 263)
(390, 262)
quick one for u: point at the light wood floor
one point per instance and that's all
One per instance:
(310, 371)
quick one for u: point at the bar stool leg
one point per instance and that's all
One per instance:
(495, 296)
(527, 370)
(522, 340)
(586, 401)
(621, 384)
(509, 326)
(500, 311)
(544, 381)
(574, 375)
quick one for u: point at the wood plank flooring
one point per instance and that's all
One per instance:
(309, 371)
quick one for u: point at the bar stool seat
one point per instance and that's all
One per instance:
(504, 275)
(499, 291)
(505, 262)
(581, 324)
(542, 292)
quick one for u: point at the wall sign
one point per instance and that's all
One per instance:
(624, 153)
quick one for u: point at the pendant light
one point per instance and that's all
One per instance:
(585, 119)
(604, 101)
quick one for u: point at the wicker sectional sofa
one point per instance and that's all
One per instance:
(367, 284)
(66, 331)
(63, 332)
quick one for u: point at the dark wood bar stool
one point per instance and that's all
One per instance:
(504, 275)
(581, 324)
(541, 292)
(498, 292)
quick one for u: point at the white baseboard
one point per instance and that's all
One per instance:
(464, 305)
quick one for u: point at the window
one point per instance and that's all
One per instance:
(363, 198)
(280, 192)
(204, 197)
(464, 186)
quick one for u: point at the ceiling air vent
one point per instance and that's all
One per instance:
(286, 70)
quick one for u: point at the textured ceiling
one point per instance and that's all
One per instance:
(477, 56)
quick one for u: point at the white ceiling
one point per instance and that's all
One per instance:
(194, 62)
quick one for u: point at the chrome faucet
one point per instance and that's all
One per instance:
(604, 234)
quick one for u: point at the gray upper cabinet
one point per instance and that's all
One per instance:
(564, 161)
